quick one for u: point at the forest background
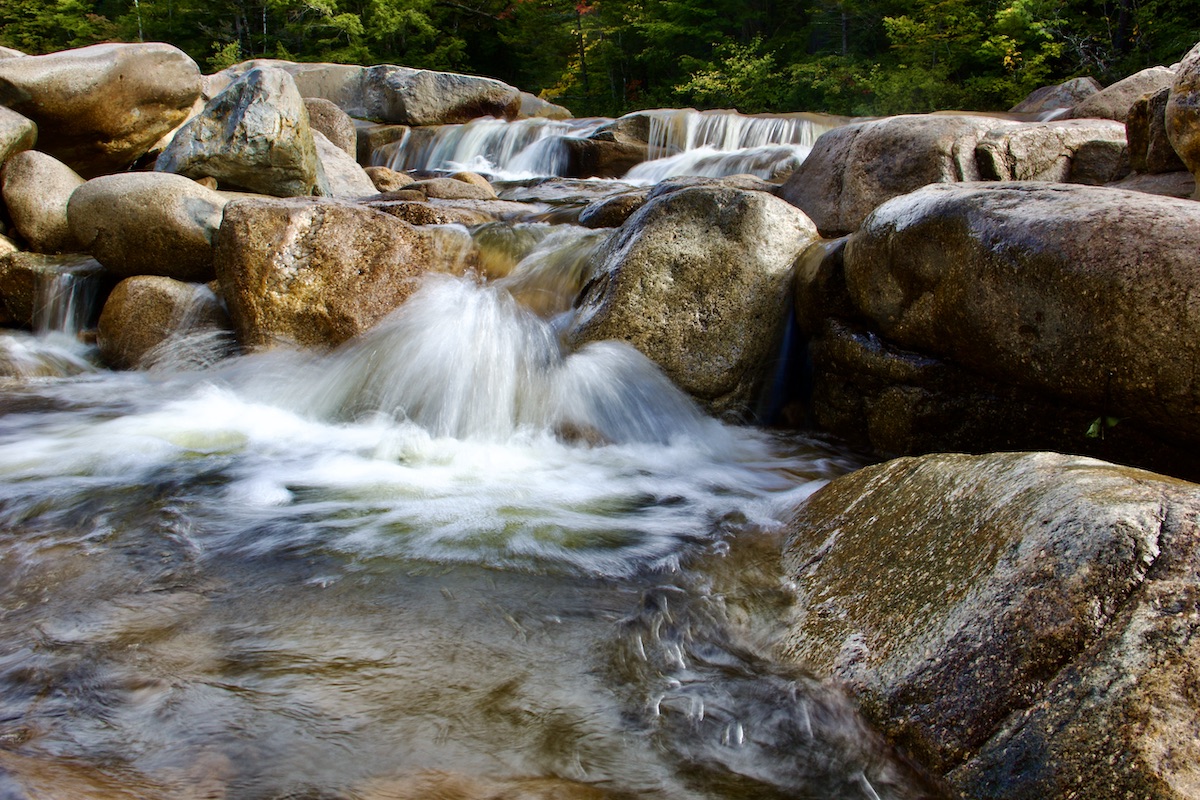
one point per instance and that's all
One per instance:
(609, 57)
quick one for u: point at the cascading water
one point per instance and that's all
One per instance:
(63, 304)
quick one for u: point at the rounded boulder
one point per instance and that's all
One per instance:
(37, 188)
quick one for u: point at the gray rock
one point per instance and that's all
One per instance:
(424, 97)
(1179, 184)
(1079, 292)
(1150, 149)
(1069, 151)
(148, 223)
(17, 133)
(143, 313)
(533, 106)
(610, 212)
(36, 190)
(854, 168)
(1182, 114)
(1060, 96)
(100, 108)
(1114, 101)
(343, 176)
(326, 118)
(1022, 623)
(9, 52)
(314, 273)
(698, 281)
(254, 135)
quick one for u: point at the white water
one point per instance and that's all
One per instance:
(64, 300)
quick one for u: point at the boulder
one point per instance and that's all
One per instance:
(1066, 95)
(453, 189)
(343, 176)
(1114, 101)
(1182, 113)
(144, 312)
(1023, 623)
(17, 133)
(326, 118)
(419, 211)
(9, 52)
(1150, 149)
(1078, 292)
(100, 108)
(315, 272)
(698, 281)
(386, 179)
(602, 158)
(533, 106)
(36, 190)
(254, 135)
(424, 97)
(854, 168)
(611, 212)
(341, 84)
(148, 223)
(1069, 151)
(1168, 184)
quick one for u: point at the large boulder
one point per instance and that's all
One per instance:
(144, 312)
(1024, 624)
(1114, 101)
(254, 135)
(325, 117)
(100, 108)
(698, 281)
(36, 190)
(315, 272)
(17, 133)
(424, 97)
(1062, 96)
(1182, 114)
(1078, 292)
(854, 168)
(1070, 151)
(1150, 149)
(148, 223)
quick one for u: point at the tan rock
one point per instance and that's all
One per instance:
(475, 179)
(17, 133)
(1114, 102)
(343, 176)
(1150, 149)
(28, 284)
(1182, 114)
(325, 117)
(387, 179)
(144, 312)
(100, 108)
(451, 189)
(373, 136)
(36, 190)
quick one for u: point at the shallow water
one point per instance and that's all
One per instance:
(446, 554)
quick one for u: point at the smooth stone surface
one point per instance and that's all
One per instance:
(1060, 96)
(698, 281)
(254, 135)
(1113, 102)
(148, 223)
(17, 133)
(425, 97)
(36, 190)
(343, 176)
(386, 179)
(100, 108)
(1093, 152)
(142, 313)
(453, 189)
(337, 126)
(1023, 622)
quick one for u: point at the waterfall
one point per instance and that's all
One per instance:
(66, 292)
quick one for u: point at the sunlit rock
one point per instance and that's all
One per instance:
(337, 126)
(142, 313)
(1022, 623)
(387, 179)
(1113, 102)
(100, 108)
(855, 168)
(534, 106)
(148, 223)
(425, 97)
(17, 133)
(1070, 151)
(36, 190)
(1182, 114)
(254, 135)
(315, 273)
(454, 189)
(698, 280)
(343, 175)
(1150, 149)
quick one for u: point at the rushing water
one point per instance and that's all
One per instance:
(449, 559)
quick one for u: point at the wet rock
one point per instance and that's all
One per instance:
(854, 168)
(386, 179)
(144, 312)
(343, 176)
(1025, 623)
(1069, 151)
(1182, 114)
(418, 211)
(1075, 291)
(1114, 101)
(25, 280)
(600, 158)
(254, 135)
(1150, 149)
(612, 211)
(17, 133)
(326, 118)
(36, 190)
(424, 97)
(100, 108)
(148, 223)
(315, 272)
(698, 280)
(372, 136)
(1060, 96)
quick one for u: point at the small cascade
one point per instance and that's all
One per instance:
(508, 150)
(66, 296)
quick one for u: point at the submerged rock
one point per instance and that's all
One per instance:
(254, 135)
(37, 188)
(1024, 623)
(148, 223)
(315, 273)
(698, 281)
(100, 108)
